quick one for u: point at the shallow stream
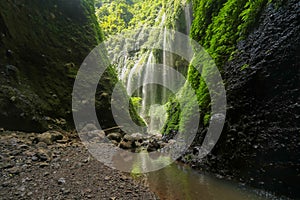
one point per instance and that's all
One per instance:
(178, 182)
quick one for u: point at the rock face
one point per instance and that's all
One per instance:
(43, 43)
(260, 142)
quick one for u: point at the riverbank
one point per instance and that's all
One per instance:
(57, 166)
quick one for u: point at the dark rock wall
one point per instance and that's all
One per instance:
(260, 142)
(42, 44)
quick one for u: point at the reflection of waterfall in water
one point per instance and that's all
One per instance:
(182, 182)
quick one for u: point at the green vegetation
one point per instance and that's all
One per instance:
(173, 112)
(114, 16)
(136, 102)
(49, 40)
(245, 66)
(218, 26)
(119, 15)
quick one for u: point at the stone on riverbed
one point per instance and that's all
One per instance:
(48, 137)
(115, 136)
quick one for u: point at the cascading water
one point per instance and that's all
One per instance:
(122, 70)
(188, 17)
(152, 108)
(149, 90)
(164, 64)
(131, 82)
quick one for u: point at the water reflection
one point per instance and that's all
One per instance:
(177, 182)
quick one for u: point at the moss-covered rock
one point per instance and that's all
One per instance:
(43, 43)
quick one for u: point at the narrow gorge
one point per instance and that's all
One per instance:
(196, 99)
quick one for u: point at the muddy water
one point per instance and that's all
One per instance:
(177, 182)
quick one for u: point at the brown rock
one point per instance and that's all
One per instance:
(115, 136)
(49, 137)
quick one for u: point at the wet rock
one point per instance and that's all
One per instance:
(137, 136)
(169, 136)
(153, 145)
(171, 141)
(93, 136)
(115, 136)
(89, 128)
(127, 142)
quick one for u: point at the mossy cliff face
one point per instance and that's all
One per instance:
(43, 43)
(259, 63)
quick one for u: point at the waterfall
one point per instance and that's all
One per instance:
(140, 69)
(149, 90)
(164, 93)
(131, 82)
(122, 65)
(163, 18)
(188, 17)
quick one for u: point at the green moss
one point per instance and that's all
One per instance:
(218, 25)
(173, 116)
(136, 102)
(245, 66)
(206, 119)
(46, 37)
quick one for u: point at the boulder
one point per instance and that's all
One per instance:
(92, 136)
(115, 136)
(48, 137)
(44, 155)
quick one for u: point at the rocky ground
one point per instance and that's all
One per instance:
(53, 165)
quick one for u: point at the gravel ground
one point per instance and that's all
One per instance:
(57, 166)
